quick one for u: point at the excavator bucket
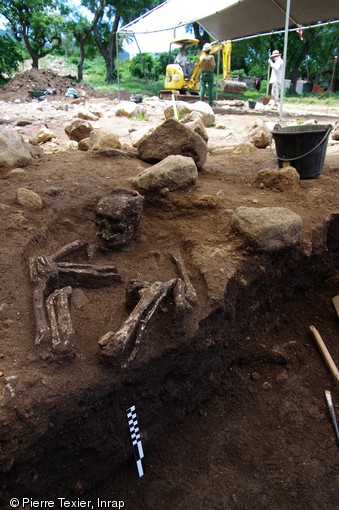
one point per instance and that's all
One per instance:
(232, 86)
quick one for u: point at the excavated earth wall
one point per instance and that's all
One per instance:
(57, 438)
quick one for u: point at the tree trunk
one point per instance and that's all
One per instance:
(81, 62)
(204, 38)
(311, 38)
(35, 62)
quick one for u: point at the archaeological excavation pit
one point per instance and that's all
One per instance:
(220, 363)
(200, 326)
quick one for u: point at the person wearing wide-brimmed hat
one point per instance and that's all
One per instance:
(277, 64)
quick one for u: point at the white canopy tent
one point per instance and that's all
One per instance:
(234, 19)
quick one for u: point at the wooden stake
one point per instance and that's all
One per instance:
(325, 353)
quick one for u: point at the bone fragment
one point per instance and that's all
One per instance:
(129, 336)
(58, 308)
(42, 268)
(181, 303)
(68, 249)
(190, 292)
(87, 275)
(43, 333)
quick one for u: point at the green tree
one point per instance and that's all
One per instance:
(37, 23)
(10, 55)
(312, 58)
(142, 65)
(110, 14)
(82, 30)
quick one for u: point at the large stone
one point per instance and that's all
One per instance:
(42, 136)
(100, 139)
(14, 151)
(129, 109)
(268, 228)
(172, 173)
(181, 108)
(259, 134)
(171, 138)
(78, 130)
(29, 199)
(206, 112)
(85, 114)
(279, 179)
(185, 109)
(195, 122)
(138, 135)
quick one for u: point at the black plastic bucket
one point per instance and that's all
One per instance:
(303, 147)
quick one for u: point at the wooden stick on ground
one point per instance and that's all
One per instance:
(325, 354)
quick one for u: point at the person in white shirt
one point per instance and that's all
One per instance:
(181, 60)
(277, 64)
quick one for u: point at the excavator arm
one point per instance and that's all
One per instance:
(226, 50)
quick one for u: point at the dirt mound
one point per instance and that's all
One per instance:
(41, 79)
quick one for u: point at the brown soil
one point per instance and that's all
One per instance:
(231, 407)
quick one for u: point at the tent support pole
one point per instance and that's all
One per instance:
(218, 71)
(118, 69)
(282, 88)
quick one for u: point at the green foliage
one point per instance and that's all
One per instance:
(142, 65)
(161, 61)
(37, 23)
(10, 55)
(238, 72)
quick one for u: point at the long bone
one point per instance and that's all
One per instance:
(47, 274)
(190, 293)
(128, 338)
(62, 332)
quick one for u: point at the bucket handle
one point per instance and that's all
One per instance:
(329, 129)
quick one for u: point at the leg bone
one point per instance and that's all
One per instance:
(128, 337)
(190, 292)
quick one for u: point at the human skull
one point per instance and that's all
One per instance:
(117, 216)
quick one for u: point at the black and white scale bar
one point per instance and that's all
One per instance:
(136, 438)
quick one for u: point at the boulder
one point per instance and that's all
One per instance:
(102, 139)
(172, 173)
(42, 136)
(129, 109)
(185, 109)
(182, 108)
(138, 135)
(259, 134)
(83, 145)
(78, 129)
(171, 138)
(85, 114)
(268, 228)
(195, 122)
(280, 179)
(206, 112)
(29, 199)
(14, 151)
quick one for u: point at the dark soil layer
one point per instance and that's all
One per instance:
(244, 448)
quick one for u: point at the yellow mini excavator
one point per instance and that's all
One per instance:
(186, 82)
